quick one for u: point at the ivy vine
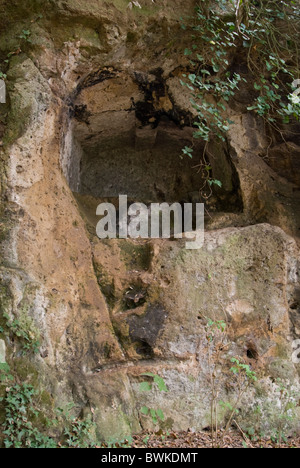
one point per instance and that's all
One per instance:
(265, 35)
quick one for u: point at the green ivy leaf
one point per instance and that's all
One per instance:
(160, 414)
(269, 66)
(188, 151)
(161, 384)
(145, 387)
(145, 410)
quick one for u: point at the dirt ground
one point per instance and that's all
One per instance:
(203, 440)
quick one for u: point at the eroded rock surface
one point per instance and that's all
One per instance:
(95, 107)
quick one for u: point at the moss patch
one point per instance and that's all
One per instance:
(106, 283)
(5, 304)
(136, 256)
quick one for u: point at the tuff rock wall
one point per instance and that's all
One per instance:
(95, 108)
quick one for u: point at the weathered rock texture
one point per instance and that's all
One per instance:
(96, 108)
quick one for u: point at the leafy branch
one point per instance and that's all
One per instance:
(266, 33)
(24, 329)
(159, 383)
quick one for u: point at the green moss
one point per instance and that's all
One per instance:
(119, 4)
(114, 426)
(17, 122)
(136, 256)
(182, 257)
(46, 398)
(107, 350)
(282, 369)
(222, 415)
(192, 378)
(22, 99)
(20, 326)
(154, 293)
(106, 283)
(18, 117)
(72, 30)
(5, 229)
(232, 245)
(282, 352)
(121, 330)
(25, 371)
(132, 37)
(5, 304)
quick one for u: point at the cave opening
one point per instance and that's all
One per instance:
(125, 137)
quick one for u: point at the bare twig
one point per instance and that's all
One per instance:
(247, 440)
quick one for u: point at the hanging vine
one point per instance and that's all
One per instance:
(265, 35)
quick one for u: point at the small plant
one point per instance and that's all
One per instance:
(243, 369)
(159, 383)
(79, 433)
(127, 443)
(18, 429)
(214, 327)
(280, 410)
(238, 376)
(156, 415)
(23, 418)
(24, 329)
(288, 402)
(244, 378)
(254, 432)
(25, 35)
(266, 34)
(217, 344)
(5, 375)
(211, 83)
(146, 440)
(205, 170)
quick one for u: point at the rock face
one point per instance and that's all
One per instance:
(96, 109)
(2, 352)
(247, 277)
